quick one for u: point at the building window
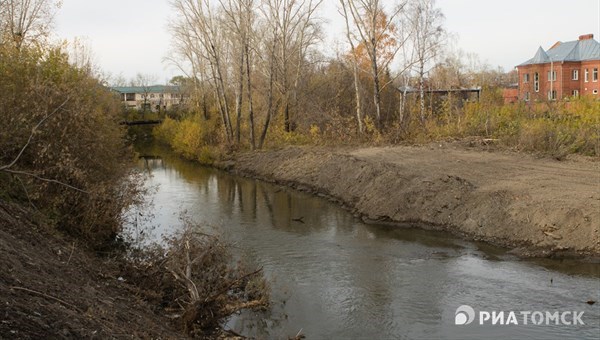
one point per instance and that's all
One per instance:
(526, 78)
(551, 75)
(575, 93)
(526, 96)
(585, 75)
(130, 97)
(552, 95)
(595, 92)
(151, 95)
(595, 74)
(536, 82)
(575, 75)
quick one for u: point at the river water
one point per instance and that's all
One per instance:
(334, 277)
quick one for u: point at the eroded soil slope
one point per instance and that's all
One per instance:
(50, 288)
(540, 207)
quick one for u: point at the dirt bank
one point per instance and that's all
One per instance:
(538, 207)
(51, 288)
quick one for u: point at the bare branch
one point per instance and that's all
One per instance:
(25, 173)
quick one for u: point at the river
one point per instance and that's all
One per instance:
(334, 277)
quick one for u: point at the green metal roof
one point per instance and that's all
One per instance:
(146, 89)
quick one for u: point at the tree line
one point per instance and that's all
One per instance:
(256, 63)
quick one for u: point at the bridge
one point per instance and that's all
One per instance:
(141, 122)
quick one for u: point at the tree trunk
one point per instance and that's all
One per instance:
(239, 98)
(220, 104)
(223, 95)
(361, 127)
(422, 91)
(287, 115)
(376, 90)
(270, 97)
(249, 91)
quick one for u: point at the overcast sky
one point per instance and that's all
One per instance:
(131, 36)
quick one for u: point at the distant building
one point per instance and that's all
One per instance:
(510, 93)
(152, 98)
(567, 69)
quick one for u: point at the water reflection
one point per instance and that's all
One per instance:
(335, 277)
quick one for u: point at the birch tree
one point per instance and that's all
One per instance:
(372, 30)
(426, 21)
(355, 62)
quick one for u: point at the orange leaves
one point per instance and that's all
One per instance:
(385, 42)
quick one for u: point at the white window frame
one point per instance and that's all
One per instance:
(526, 98)
(595, 91)
(575, 75)
(551, 75)
(552, 95)
(536, 82)
(595, 75)
(586, 75)
(575, 93)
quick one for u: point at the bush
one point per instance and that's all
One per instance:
(193, 137)
(76, 165)
(196, 278)
(556, 129)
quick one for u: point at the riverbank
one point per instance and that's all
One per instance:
(536, 207)
(51, 286)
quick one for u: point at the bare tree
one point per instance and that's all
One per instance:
(426, 21)
(270, 44)
(344, 13)
(372, 26)
(294, 20)
(239, 16)
(23, 21)
(199, 28)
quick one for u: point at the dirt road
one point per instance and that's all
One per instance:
(539, 207)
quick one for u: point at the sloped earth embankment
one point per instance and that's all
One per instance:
(51, 288)
(537, 207)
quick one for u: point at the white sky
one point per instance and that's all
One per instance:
(130, 36)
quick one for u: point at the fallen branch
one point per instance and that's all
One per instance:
(70, 256)
(214, 296)
(18, 172)
(48, 297)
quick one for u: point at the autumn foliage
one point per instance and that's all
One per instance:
(62, 150)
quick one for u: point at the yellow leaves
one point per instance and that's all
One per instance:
(192, 137)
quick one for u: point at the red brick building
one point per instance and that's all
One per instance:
(567, 69)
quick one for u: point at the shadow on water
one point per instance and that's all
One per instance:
(336, 277)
